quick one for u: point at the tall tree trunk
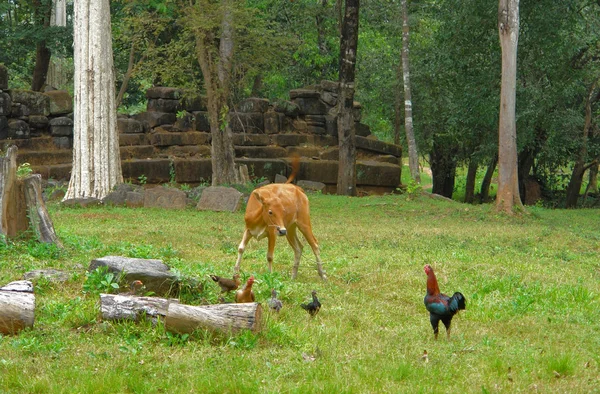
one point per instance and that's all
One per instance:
(471, 176)
(592, 186)
(443, 168)
(413, 156)
(96, 158)
(127, 76)
(487, 179)
(42, 15)
(580, 167)
(346, 181)
(216, 71)
(398, 104)
(508, 182)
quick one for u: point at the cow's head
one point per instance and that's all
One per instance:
(273, 211)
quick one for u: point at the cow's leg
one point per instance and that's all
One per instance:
(245, 238)
(271, 247)
(306, 230)
(295, 243)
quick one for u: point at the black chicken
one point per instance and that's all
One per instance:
(312, 307)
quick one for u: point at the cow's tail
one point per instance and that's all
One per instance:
(295, 168)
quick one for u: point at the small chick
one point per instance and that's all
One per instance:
(274, 303)
(312, 307)
(246, 294)
(134, 287)
(227, 284)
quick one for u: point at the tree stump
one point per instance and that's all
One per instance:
(17, 307)
(219, 317)
(124, 307)
(21, 203)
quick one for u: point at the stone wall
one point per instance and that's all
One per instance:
(171, 140)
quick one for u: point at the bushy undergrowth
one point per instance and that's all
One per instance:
(531, 284)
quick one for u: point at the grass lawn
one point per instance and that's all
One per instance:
(531, 285)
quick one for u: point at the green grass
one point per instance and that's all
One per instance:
(531, 285)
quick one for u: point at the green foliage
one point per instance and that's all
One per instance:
(100, 281)
(24, 170)
(142, 179)
(413, 189)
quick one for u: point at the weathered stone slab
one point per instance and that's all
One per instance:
(38, 121)
(266, 168)
(303, 151)
(377, 174)
(163, 105)
(162, 197)
(316, 130)
(331, 125)
(253, 104)
(185, 121)
(311, 106)
(273, 122)
(280, 179)
(357, 111)
(61, 102)
(304, 93)
(61, 127)
(311, 186)
(193, 170)
(18, 129)
(324, 171)
(260, 152)
(330, 86)
(329, 98)
(179, 138)
(152, 119)
(37, 103)
(129, 126)
(287, 108)
(315, 120)
(134, 200)
(52, 275)
(378, 146)
(202, 123)
(5, 104)
(132, 139)
(251, 139)
(220, 198)
(158, 92)
(252, 123)
(154, 274)
(118, 196)
(193, 102)
(134, 151)
(18, 110)
(154, 170)
(289, 139)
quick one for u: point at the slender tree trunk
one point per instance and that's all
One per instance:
(56, 76)
(398, 104)
(127, 76)
(413, 156)
(443, 168)
(96, 158)
(580, 167)
(508, 182)
(42, 14)
(217, 75)
(471, 176)
(487, 179)
(346, 182)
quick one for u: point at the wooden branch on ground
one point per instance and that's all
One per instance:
(219, 317)
(125, 307)
(181, 318)
(17, 307)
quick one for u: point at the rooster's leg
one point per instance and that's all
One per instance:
(447, 325)
(435, 322)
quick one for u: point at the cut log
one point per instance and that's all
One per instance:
(17, 307)
(184, 319)
(38, 215)
(125, 307)
(8, 202)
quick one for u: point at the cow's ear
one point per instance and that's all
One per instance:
(258, 195)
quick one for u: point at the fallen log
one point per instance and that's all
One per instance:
(17, 307)
(184, 319)
(125, 307)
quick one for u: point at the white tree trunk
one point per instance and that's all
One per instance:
(96, 162)
(56, 76)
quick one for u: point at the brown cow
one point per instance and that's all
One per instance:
(280, 209)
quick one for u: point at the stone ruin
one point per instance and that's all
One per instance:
(171, 140)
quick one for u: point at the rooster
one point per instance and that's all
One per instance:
(134, 288)
(440, 306)
(227, 284)
(274, 303)
(312, 307)
(246, 294)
